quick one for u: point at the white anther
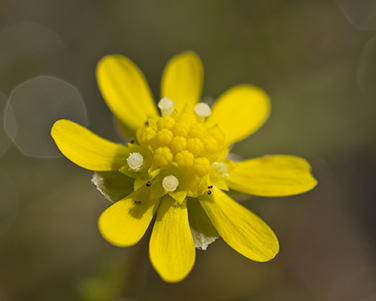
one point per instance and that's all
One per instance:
(166, 105)
(135, 161)
(221, 168)
(170, 183)
(202, 110)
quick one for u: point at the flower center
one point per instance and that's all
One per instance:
(183, 150)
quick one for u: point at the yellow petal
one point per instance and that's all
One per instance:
(240, 111)
(182, 80)
(87, 149)
(125, 222)
(277, 175)
(125, 91)
(240, 228)
(172, 250)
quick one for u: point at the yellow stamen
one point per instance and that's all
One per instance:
(165, 122)
(164, 137)
(146, 136)
(163, 156)
(197, 130)
(181, 129)
(178, 144)
(210, 144)
(184, 160)
(201, 166)
(217, 134)
(187, 118)
(195, 146)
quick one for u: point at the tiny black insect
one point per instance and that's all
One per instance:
(147, 122)
(209, 192)
(148, 184)
(211, 186)
(132, 140)
(137, 202)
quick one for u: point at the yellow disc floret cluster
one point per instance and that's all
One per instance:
(181, 145)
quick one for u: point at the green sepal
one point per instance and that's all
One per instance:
(141, 180)
(203, 231)
(113, 184)
(179, 196)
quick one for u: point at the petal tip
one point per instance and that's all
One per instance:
(240, 111)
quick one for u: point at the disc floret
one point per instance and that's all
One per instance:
(135, 161)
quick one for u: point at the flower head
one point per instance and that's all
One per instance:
(179, 166)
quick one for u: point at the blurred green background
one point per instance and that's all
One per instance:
(315, 58)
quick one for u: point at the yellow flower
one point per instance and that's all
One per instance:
(179, 166)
